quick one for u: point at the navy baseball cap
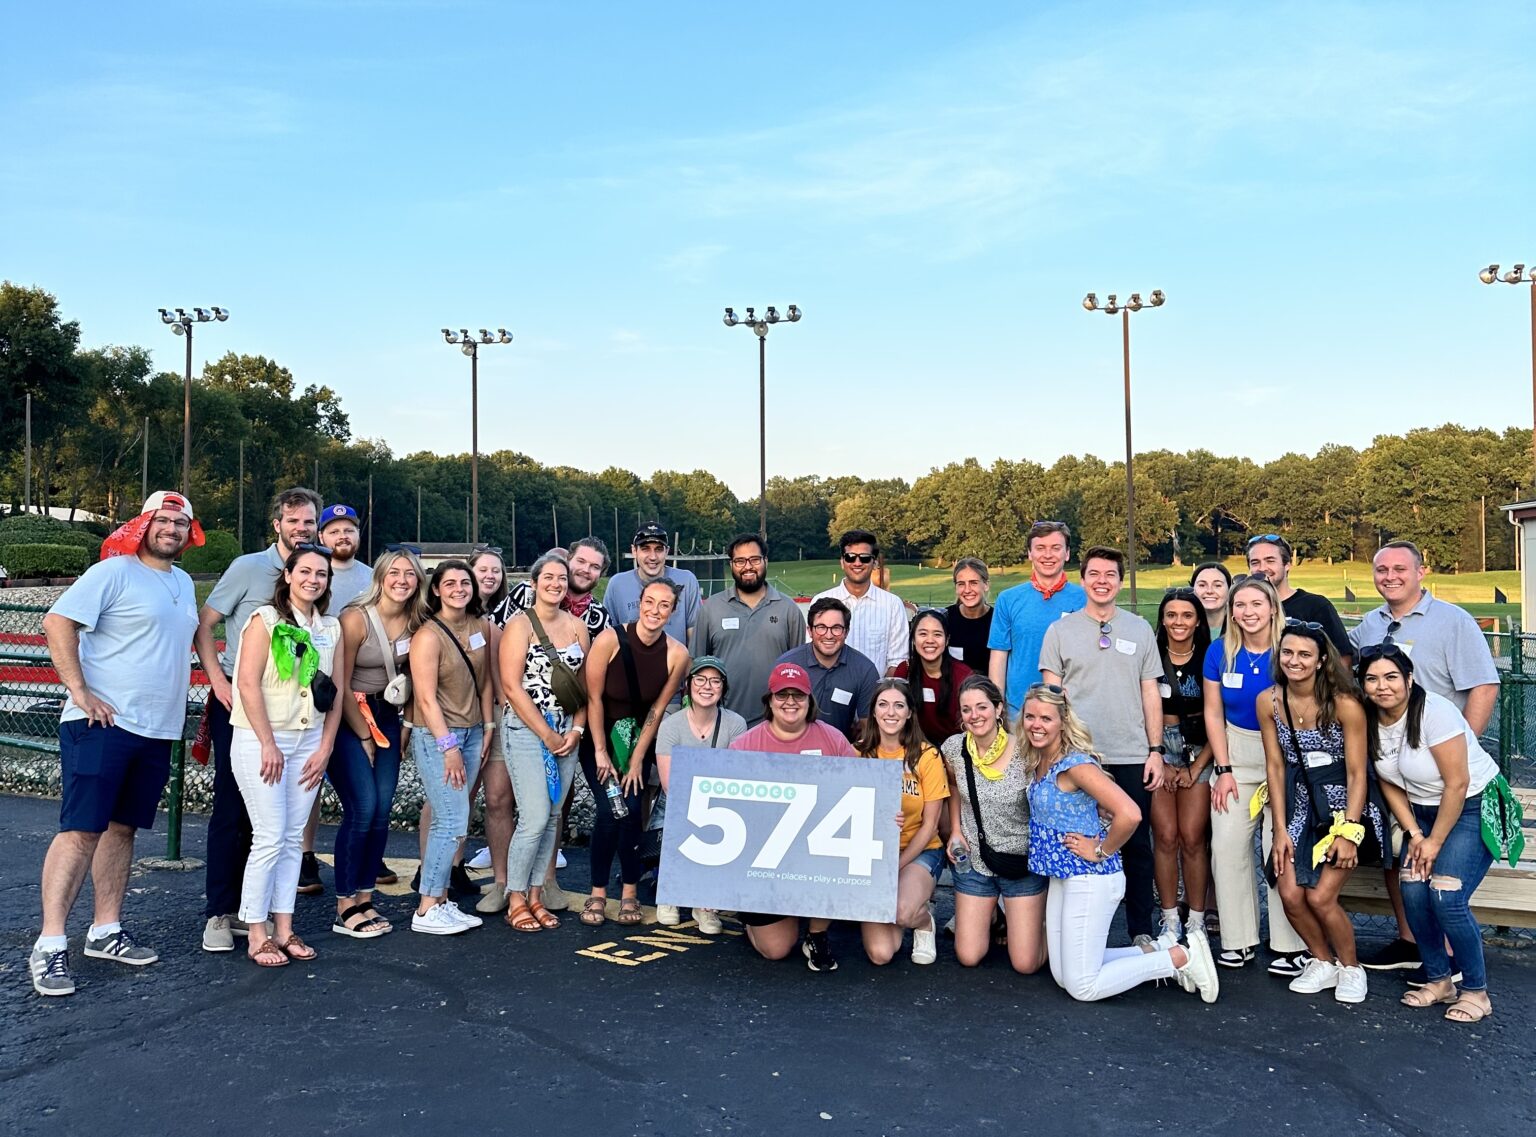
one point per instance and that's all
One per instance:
(337, 513)
(650, 531)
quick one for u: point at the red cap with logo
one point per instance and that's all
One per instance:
(789, 677)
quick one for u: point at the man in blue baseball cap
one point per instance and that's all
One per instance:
(339, 530)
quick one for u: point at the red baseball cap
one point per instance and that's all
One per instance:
(789, 677)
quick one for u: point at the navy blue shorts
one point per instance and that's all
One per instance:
(110, 774)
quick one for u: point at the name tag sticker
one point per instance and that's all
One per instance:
(1165, 690)
(956, 652)
(1316, 758)
(841, 698)
(1406, 645)
(929, 696)
(476, 641)
(810, 751)
(1125, 647)
(730, 623)
(403, 646)
(1233, 680)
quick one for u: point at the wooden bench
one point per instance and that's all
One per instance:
(1506, 898)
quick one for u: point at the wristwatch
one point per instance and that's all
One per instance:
(1158, 748)
(1218, 769)
(1099, 851)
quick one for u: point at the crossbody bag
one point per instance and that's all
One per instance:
(1009, 866)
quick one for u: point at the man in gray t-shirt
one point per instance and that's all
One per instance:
(1106, 659)
(245, 586)
(350, 576)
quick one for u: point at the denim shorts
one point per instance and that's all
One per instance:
(933, 860)
(972, 883)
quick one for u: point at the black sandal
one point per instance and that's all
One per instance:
(366, 928)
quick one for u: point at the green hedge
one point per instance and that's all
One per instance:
(27, 529)
(213, 556)
(43, 560)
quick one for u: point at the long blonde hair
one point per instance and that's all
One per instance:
(1232, 636)
(1075, 737)
(415, 607)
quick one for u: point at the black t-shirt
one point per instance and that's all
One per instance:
(1185, 698)
(1309, 607)
(970, 636)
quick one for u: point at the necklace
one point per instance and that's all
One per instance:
(168, 582)
(985, 762)
(1251, 659)
(1181, 656)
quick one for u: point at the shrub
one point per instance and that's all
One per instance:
(34, 560)
(214, 555)
(31, 529)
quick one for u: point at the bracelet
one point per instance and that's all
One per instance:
(449, 741)
(579, 729)
(1219, 769)
(491, 725)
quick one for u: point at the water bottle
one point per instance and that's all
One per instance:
(617, 806)
(960, 859)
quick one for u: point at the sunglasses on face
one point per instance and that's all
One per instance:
(312, 547)
(859, 558)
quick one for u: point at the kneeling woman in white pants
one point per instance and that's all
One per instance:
(1067, 788)
(282, 743)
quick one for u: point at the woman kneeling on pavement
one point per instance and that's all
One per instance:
(1434, 775)
(703, 724)
(450, 671)
(791, 728)
(542, 650)
(1067, 842)
(1314, 745)
(376, 632)
(282, 741)
(892, 732)
(989, 834)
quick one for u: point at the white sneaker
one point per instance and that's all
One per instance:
(925, 945)
(668, 914)
(1196, 928)
(481, 860)
(463, 917)
(1317, 975)
(708, 921)
(559, 858)
(1351, 987)
(438, 921)
(1169, 935)
(1199, 974)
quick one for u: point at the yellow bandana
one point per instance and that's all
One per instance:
(985, 762)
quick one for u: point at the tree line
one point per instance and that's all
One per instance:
(93, 410)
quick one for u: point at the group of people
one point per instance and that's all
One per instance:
(1060, 755)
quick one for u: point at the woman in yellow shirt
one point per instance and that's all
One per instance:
(891, 731)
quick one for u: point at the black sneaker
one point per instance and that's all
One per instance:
(818, 952)
(1399, 955)
(460, 884)
(309, 876)
(1289, 966)
(385, 875)
(1419, 978)
(416, 880)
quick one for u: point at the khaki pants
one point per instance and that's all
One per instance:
(1232, 867)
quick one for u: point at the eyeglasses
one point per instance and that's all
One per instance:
(1104, 641)
(312, 547)
(829, 629)
(1051, 687)
(707, 681)
(790, 696)
(180, 524)
(414, 550)
(859, 558)
(747, 562)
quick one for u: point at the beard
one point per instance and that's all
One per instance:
(750, 589)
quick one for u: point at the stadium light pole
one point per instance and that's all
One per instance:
(1113, 307)
(471, 346)
(181, 324)
(1518, 274)
(760, 325)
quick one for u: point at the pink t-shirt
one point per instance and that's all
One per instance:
(819, 738)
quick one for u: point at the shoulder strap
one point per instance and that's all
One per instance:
(538, 630)
(970, 781)
(1285, 699)
(714, 739)
(464, 655)
(631, 676)
(371, 614)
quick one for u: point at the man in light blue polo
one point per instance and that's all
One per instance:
(1025, 611)
(748, 627)
(621, 600)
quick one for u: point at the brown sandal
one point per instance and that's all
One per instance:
(595, 911)
(1424, 997)
(269, 948)
(1465, 1010)
(295, 948)
(547, 919)
(521, 918)
(629, 911)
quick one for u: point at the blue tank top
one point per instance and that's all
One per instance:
(1054, 813)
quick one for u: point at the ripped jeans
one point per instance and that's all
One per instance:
(1439, 908)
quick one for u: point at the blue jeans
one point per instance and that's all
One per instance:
(450, 807)
(367, 792)
(538, 819)
(1438, 914)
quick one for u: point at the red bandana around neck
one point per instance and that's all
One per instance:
(1051, 591)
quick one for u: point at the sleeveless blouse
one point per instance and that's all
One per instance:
(1054, 813)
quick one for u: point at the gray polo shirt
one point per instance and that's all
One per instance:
(843, 691)
(347, 584)
(1104, 684)
(1449, 654)
(245, 586)
(749, 642)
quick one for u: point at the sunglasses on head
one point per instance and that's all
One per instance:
(1268, 539)
(1304, 625)
(1047, 526)
(1182, 592)
(1050, 687)
(487, 549)
(860, 558)
(1384, 650)
(414, 550)
(312, 547)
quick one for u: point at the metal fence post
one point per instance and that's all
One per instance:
(173, 806)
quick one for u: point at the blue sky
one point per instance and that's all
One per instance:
(1314, 186)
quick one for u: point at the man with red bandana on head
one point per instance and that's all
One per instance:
(1025, 611)
(121, 640)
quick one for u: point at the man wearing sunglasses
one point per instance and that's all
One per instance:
(1107, 660)
(879, 619)
(1026, 610)
(748, 627)
(1450, 658)
(622, 597)
(1269, 556)
(246, 585)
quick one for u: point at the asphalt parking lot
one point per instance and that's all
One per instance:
(665, 1031)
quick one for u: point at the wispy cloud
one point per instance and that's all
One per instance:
(692, 265)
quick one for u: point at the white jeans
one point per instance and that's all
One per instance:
(278, 813)
(1078, 910)
(1232, 867)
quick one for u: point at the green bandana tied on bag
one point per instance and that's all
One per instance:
(294, 654)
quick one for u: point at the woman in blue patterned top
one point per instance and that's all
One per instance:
(1068, 843)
